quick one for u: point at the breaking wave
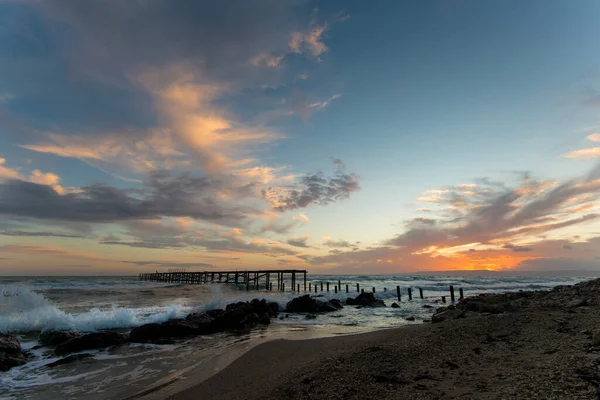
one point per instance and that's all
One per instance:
(23, 310)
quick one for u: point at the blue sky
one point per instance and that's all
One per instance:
(335, 136)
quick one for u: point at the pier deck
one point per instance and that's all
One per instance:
(251, 279)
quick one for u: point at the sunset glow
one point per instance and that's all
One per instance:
(340, 137)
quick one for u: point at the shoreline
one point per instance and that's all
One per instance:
(524, 345)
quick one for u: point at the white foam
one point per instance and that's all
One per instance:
(23, 310)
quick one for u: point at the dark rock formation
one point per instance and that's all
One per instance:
(365, 299)
(54, 338)
(11, 354)
(395, 305)
(235, 317)
(308, 304)
(96, 340)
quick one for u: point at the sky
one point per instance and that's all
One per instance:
(333, 136)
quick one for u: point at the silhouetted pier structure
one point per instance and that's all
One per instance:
(269, 279)
(258, 279)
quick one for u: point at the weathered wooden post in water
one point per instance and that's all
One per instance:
(460, 293)
(357, 288)
(335, 289)
(298, 287)
(443, 299)
(452, 293)
(409, 293)
(373, 289)
(310, 287)
(328, 286)
(346, 288)
(398, 292)
(340, 285)
(305, 281)
(421, 292)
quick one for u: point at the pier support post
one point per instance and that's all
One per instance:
(305, 281)
(409, 293)
(421, 292)
(398, 292)
(452, 293)
(461, 294)
(357, 288)
(328, 286)
(346, 288)
(443, 299)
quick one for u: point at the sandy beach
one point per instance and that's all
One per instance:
(527, 345)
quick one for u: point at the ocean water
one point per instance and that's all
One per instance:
(29, 305)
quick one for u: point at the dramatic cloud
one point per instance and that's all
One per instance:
(169, 264)
(39, 234)
(164, 194)
(487, 225)
(313, 189)
(299, 242)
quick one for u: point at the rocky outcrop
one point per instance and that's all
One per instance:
(365, 299)
(11, 354)
(90, 341)
(308, 304)
(54, 338)
(235, 317)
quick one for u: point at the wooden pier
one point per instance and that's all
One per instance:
(257, 279)
(273, 279)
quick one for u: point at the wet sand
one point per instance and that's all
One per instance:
(542, 346)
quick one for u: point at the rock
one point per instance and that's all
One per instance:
(411, 318)
(264, 319)
(577, 302)
(308, 304)
(274, 308)
(326, 307)
(446, 314)
(54, 338)
(11, 354)
(68, 360)
(336, 303)
(303, 304)
(395, 305)
(596, 338)
(365, 299)
(427, 306)
(96, 340)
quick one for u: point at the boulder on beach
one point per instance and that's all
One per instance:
(308, 304)
(90, 341)
(365, 299)
(54, 338)
(236, 316)
(11, 354)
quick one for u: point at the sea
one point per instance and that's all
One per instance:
(29, 305)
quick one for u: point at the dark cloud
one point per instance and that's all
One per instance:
(170, 264)
(560, 264)
(33, 234)
(517, 249)
(313, 189)
(163, 194)
(337, 243)
(298, 242)
(212, 244)
(492, 210)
